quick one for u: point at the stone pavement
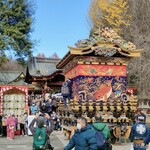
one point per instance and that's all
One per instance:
(58, 140)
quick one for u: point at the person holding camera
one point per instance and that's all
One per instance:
(43, 128)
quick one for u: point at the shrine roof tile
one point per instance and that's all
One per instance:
(7, 77)
(38, 67)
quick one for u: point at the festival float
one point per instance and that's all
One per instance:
(97, 68)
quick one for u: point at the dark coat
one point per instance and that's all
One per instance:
(138, 131)
(48, 106)
(83, 140)
(147, 138)
(43, 108)
(49, 129)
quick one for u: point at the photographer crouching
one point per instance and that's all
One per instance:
(41, 133)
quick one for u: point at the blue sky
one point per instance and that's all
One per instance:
(59, 24)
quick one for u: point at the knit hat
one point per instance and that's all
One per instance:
(40, 122)
(98, 117)
(140, 118)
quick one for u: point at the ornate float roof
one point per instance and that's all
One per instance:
(41, 67)
(103, 42)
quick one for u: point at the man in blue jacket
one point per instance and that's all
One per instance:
(83, 138)
(138, 134)
(147, 139)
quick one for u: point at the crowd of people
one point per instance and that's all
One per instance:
(85, 138)
(10, 125)
(47, 116)
(47, 105)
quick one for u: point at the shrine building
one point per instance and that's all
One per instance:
(14, 93)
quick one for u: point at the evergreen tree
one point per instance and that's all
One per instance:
(15, 28)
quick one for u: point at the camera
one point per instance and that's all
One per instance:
(42, 115)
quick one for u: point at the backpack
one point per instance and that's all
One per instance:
(65, 91)
(100, 138)
(39, 138)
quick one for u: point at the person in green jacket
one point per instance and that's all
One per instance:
(99, 125)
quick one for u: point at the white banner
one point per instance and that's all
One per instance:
(30, 118)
